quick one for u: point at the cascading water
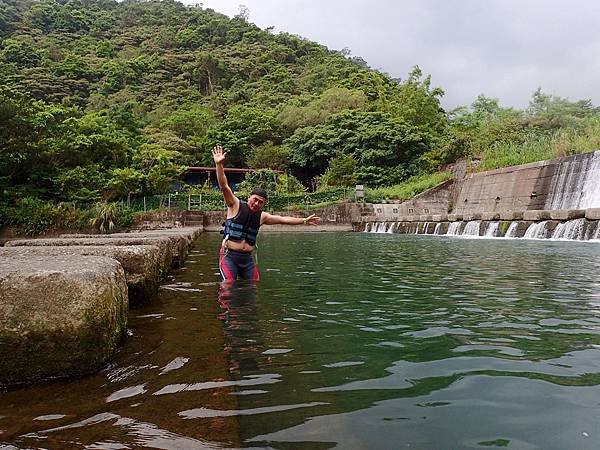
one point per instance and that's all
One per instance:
(576, 184)
(438, 226)
(472, 228)
(512, 230)
(453, 228)
(536, 230)
(572, 230)
(492, 229)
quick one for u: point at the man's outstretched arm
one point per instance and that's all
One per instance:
(219, 157)
(272, 219)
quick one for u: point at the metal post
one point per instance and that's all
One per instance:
(169, 202)
(189, 202)
(144, 203)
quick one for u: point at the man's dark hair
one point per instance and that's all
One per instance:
(260, 192)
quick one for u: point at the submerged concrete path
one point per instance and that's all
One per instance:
(64, 301)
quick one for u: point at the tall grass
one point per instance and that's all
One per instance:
(404, 191)
(541, 146)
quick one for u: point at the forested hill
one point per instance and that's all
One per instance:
(100, 98)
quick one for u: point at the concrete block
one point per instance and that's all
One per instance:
(567, 214)
(181, 239)
(59, 316)
(511, 215)
(141, 263)
(455, 217)
(536, 214)
(592, 213)
(490, 216)
(167, 246)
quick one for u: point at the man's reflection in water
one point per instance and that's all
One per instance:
(237, 302)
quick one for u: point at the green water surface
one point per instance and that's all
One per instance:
(350, 341)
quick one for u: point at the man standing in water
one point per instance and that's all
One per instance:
(242, 224)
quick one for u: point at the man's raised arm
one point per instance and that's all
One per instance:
(219, 157)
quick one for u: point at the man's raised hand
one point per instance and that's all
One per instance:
(218, 154)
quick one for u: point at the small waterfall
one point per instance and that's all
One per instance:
(368, 226)
(572, 230)
(375, 227)
(391, 227)
(437, 228)
(576, 184)
(425, 228)
(512, 230)
(472, 228)
(492, 229)
(453, 228)
(536, 230)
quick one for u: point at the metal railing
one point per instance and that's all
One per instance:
(214, 201)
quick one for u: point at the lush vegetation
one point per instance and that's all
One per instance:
(408, 189)
(103, 101)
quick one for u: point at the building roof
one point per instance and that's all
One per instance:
(227, 170)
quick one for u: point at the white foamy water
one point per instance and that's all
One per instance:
(453, 229)
(536, 230)
(576, 184)
(472, 228)
(492, 229)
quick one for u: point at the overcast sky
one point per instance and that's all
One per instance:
(502, 48)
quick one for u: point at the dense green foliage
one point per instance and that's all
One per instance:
(100, 99)
(408, 189)
(103, 100)
(550, 127)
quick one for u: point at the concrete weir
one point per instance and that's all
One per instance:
(64, 301)
(553, 199)
(536, 225)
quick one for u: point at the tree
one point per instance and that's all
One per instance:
(372, 138)
(126, 181)
(268, 156)
(341, 172)
(160, 167)
(243, 128)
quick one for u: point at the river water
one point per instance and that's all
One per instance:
(350, 341)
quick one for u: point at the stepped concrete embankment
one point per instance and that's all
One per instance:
(59, 316)
(168, 248)
(64, 301)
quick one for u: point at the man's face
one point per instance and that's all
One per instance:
(255, 202)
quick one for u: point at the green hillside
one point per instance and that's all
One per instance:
(100, 100)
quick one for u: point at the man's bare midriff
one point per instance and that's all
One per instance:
(240, 246)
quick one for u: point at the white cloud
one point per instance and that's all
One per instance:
(502, 48)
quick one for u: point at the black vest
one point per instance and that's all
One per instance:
(244, 225)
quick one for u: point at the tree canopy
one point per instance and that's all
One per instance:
(101, 99)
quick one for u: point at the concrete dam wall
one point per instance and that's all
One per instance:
(565, 183)
(557, 198)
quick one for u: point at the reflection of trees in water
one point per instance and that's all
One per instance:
(397, 304)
